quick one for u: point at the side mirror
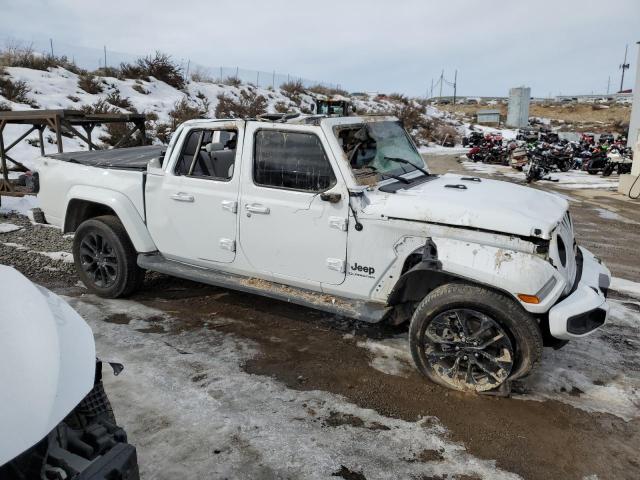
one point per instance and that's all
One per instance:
(154, 167)
(330, 197)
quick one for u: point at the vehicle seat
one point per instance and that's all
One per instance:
(221, 160)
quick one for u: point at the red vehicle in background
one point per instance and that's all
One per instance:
(493, 138)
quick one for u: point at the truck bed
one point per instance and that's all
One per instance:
(132, 158)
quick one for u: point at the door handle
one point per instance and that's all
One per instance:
(257, 208)
(182, 197)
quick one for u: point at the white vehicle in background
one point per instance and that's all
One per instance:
(339, 214)
(56, 421)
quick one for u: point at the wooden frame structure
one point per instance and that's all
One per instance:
(60, 122)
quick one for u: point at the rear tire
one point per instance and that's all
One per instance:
(105, 258)
(512, 338)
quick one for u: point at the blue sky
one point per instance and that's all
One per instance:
(568, 47)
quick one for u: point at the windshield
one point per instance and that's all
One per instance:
(371, 146)
(331, 108)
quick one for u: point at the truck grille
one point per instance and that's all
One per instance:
(563, 250)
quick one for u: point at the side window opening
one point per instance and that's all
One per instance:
(291, 160)
(208, 154)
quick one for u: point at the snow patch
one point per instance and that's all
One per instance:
(64, 257)
(188, 406)
(598, 373)
(625, 286)
(19, 205)
(8, 227)
(390, 356)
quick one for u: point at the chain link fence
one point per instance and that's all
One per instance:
(258, 78)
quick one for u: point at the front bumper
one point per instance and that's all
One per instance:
(585, 309)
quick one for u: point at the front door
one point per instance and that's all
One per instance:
(293, 207)
(192, 208)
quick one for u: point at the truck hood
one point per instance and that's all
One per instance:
(47, 362)
(490, 205)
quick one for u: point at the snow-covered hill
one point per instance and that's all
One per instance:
(59, 88)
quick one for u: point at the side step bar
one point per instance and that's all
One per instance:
(359, 310)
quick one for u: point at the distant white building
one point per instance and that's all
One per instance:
(518, 111)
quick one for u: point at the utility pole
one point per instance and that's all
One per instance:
(455, 86)
(273, 80)
(51, 44)
(186, 74)
(431, 94)
(441, 77)
(624, 66)
(608, 84)
(105, 57)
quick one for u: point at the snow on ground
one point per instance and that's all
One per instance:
(21, 205)
(599, 373)
(573, 179)
(434, 148)
(64, 257)
(391, 356)
(8, 227)
(188, 406)
(608, 214)
(625, 286)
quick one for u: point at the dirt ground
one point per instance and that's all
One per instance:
(575, 116)
(308, 351)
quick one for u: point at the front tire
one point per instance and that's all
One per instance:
(105, 258)
(472, 339)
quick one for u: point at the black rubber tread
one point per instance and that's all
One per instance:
(520, 325)
(130, 275)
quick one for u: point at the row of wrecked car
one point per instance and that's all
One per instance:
(540, 152)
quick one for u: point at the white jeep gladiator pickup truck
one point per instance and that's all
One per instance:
(339, 214)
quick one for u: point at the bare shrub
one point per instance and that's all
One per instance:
(101, 106)
(5, 107)
(318, 88)
(200, 75)
(183, 111)
(14, 90)
(293, 90)
(114, 98)
(281, 107)
(89, 83)
(443, 132)
(415, 122)
(108, 72)
(140, 89)
(160, 66)
(398, 97)
(247, 105)
(231, 81)
(163, 132)
(16, 54)
(116, 132)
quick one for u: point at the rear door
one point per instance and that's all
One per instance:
(294, 205)
(192, 207)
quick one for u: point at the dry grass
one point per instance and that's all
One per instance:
(571, 116)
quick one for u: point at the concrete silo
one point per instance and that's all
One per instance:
(518, 112)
